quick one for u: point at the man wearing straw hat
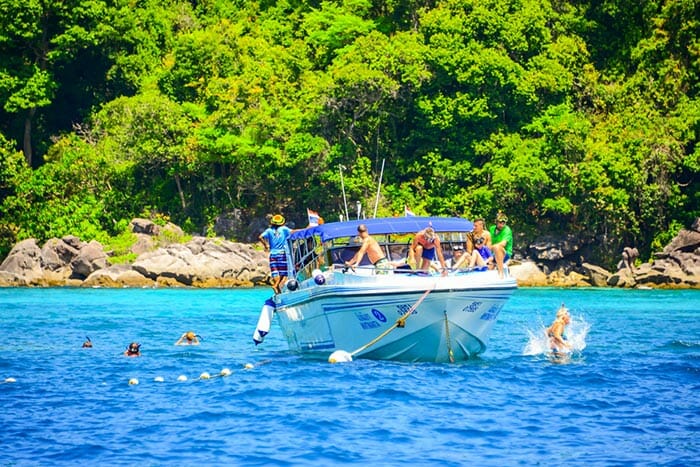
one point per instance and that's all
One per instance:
(274, 240)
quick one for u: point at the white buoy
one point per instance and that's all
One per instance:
(249, 366)
(182, 378)
(133, 382)
(10, 380)
(204, 375)
(340, 356)
(225, 372)
(158, 379)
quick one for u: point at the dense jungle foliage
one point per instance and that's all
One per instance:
(570, 116)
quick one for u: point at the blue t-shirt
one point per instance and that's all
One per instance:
(485, 252)
(277, 238)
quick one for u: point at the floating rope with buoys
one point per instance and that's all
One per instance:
(341, 356)
(204, 375)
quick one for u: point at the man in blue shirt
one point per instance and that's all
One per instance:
(274, 240)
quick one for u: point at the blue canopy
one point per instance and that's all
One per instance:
(386, 225)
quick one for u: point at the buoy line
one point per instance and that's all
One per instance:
(203, 376)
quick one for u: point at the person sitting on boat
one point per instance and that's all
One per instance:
(134, 350)
(479, 231)
(374, 252)
(481, 256)
(274, 240)
(426, 245)
(501, 241)
(555, 332)
(457, 254)
(188, 338)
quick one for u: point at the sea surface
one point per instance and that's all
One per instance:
(629, 394)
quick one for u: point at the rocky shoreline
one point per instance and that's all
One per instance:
(215, 262)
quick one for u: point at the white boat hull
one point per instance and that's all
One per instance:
(452, 321)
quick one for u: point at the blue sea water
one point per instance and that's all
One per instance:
(628, 396)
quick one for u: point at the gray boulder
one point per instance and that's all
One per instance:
(554, 248)
(527, 274)
(597, 276)
(205, 261)
(90, 258)
(24, 261)
(57, 254)
(144, 226)
(118, 276)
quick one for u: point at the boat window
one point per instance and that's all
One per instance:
(307, 255)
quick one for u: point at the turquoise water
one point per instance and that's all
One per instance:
(628, 396)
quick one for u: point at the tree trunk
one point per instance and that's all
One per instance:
(27, 144)
(179, 190)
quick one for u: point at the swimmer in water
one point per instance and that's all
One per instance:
(134, 350)
(555, 332)
(188, 338)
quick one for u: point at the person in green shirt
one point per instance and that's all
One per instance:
(501, 241)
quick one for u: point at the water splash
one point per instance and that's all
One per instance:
(576, 333)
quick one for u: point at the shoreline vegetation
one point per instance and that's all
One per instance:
(163, 256)
(579, 120)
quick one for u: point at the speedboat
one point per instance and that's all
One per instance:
(401, 314)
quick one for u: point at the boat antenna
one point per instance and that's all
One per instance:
(379, 188)
(342, 184)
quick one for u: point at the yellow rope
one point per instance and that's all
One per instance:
(449, 342)
(400, 322)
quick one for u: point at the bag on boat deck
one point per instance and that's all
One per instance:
(264, 321)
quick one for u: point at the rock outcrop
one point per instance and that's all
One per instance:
(200, 262)
(203, 261)
(677, 266)
(165, 261)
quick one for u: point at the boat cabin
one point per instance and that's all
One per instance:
(328, 247)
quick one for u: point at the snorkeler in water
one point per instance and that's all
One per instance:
(134, 350)
(188, 338)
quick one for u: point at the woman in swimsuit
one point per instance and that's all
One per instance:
(555, 332)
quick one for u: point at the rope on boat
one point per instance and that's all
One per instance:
(400, 322)
(449, 341)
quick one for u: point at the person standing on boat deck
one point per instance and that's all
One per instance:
(373, 250)
(501, 241)
(426, 245)
(555, 332)
(274, 240)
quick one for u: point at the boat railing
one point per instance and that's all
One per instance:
(369, 270)
(311, 254)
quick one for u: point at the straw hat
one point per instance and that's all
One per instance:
(277, 219)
